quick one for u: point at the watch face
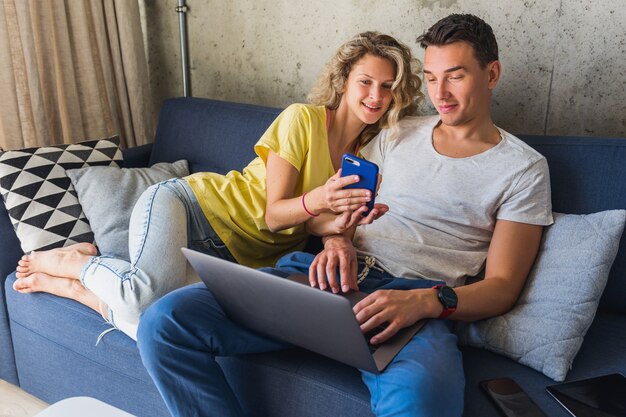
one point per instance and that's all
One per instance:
(448, 297)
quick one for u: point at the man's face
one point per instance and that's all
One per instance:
(458, 87)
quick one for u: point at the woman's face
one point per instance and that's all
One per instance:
(367, 93)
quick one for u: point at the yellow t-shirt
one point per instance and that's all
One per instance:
(235, 203)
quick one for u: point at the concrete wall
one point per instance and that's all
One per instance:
(564, 60)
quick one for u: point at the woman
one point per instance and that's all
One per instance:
(253, 217)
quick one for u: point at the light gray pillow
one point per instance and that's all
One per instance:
(108, 195)
(546, 327)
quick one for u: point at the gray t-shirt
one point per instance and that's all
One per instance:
(443, 210)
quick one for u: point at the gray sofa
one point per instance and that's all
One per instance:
(47, 344)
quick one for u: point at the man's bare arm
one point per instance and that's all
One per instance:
(511, 254)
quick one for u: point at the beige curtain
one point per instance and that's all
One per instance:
(72, 70)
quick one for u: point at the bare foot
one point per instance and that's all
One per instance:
(40, 282)
(61, 262)
(63, 287)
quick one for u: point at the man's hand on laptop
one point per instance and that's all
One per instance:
(399, 308)
(338, 253)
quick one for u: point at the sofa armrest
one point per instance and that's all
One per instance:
(10, 249)
(137, 157)
(10, 253)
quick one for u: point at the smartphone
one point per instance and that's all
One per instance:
(510, 398)
(592, 397)
(367, 172)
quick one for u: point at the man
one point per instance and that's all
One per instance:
(465, 197)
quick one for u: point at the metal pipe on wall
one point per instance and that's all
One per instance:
(182, 9)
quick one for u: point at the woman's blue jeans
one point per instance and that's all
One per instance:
(166, 217)
(181, 334)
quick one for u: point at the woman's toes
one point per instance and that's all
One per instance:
(22, 285)
(22, 269)
(34, 282)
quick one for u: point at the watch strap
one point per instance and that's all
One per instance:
(447, 310)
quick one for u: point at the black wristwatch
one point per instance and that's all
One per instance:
(447, 297)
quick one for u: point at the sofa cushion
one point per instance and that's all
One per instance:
(108, 195)
(296, 382)
(39, 197)
(546, 327)
(64, 332)
(601, 353)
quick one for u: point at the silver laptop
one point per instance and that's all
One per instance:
(289, 309)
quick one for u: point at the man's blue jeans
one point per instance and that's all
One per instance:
(180, 335)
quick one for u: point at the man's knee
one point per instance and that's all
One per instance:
(417, 391)
(181, 314)
(154, 322)
(425, 379)
(160, 321)
(437, 395)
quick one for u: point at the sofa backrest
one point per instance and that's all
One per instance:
(214, 136)
(588, 174)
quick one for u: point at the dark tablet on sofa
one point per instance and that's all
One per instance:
(602, 396)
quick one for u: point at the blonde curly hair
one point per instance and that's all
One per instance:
(405, 91)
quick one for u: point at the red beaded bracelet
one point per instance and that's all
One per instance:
(305, 209)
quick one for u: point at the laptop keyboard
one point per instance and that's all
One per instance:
(372, 333)
(355, 297)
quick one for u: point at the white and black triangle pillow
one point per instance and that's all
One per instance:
(39, 196)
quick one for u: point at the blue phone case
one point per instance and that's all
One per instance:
(367, 172)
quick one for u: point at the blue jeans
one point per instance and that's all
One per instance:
(181, 334)
(165, 218)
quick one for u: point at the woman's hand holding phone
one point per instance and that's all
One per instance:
(347, 198)
(341, 199)
(369, 178)
(334, 198)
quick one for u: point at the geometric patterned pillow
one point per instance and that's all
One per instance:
(39, 196)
